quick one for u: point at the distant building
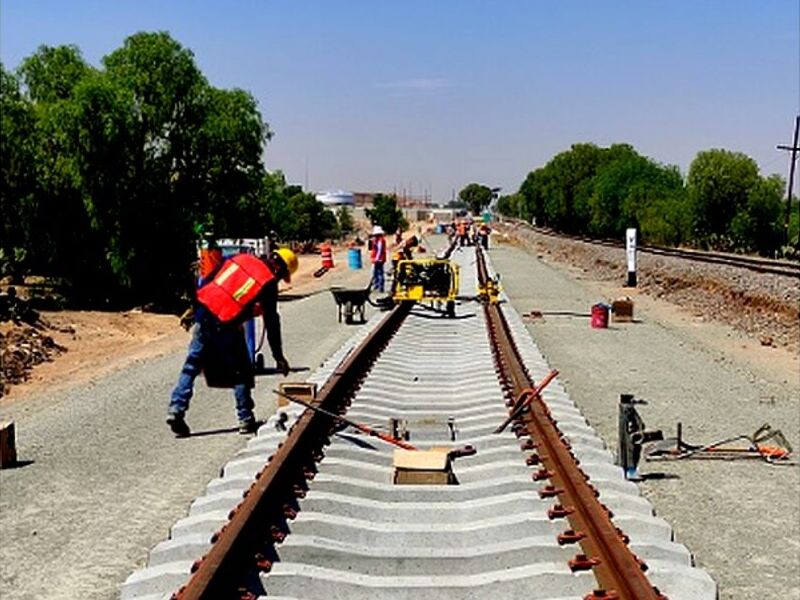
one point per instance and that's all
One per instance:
(336, 198)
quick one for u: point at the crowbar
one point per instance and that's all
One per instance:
(525, 398)
(359, 426)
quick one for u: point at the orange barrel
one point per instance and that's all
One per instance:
(600, 316)
(327, 256)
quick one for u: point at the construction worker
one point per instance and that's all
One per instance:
(461, 232)
(404, 251)
(483, 235)
(377, 255)
(238, 289)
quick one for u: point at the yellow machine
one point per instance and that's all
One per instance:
(426, 279)
(490, 292)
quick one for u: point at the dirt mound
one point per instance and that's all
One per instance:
(22, 347)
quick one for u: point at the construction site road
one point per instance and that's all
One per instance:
(103, 479)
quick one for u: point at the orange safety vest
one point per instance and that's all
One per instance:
(238, 282)
(378, 250)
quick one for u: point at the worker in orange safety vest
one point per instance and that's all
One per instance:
(241, 287)
(377, 256)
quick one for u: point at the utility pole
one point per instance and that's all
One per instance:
(792, 162)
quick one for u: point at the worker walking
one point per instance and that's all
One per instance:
(240, 288)
(377, 256)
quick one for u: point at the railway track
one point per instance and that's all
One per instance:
(788, 268)
(540, 511)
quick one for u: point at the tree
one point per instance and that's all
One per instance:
(18, 179)
(623, 188)
(511, 205)
(476, 197)
(310, 220)
(719, 184)
(346, 225)
(558, 193)
(384, 212)
(122, 163)
(758, 226)
(52, 73)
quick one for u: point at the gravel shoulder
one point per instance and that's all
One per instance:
(741, 519)
(101, 478)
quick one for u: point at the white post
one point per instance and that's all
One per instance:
(630, 251)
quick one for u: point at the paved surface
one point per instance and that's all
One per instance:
(740, 519)
(105, 479)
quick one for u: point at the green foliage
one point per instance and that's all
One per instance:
(309, 220)
(602, 191)
(758, 226)
(51, 74)
(719, 184)
(17, 151)
(384, 212)
(476, 197)
(511, 205)
(345, 219)
(625, 187)
(107, 172)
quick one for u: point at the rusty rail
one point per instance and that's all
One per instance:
(786, 267)
(244, 544)
(620, 574)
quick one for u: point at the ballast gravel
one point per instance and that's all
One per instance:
(741, 519)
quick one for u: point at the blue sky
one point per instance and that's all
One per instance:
(426, 96)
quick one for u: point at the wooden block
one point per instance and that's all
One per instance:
(422, 467)
(8, 446)
(303, 391)
(622, 310)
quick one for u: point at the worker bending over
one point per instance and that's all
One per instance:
(242, 287)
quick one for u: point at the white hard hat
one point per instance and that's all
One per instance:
(377, 230)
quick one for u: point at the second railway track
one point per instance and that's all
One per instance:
(324, 520)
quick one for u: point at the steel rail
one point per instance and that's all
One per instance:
(762, 265)
(604, 548)
(244, 544)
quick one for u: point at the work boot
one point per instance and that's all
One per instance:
(178, 425)
(247, 426)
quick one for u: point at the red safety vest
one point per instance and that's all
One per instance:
(238, 282)
(378, 251)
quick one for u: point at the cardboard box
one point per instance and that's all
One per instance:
(8, 445)
(303, 391)
(423, 467)
(622, 310)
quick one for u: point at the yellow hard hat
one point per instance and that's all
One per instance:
(289, 258)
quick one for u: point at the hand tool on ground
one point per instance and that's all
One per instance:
(359, 426)
(525, 398)
(677, 449)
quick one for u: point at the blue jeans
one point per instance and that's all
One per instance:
(377, 277)
(193, 366)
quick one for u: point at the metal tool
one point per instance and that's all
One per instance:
(776, 453)
(525, 398)
(359, 426)
(632, 435)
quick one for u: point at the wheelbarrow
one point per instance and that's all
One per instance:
(350, 302)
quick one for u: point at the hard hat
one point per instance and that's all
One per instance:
(289, 258)
(377, 230)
